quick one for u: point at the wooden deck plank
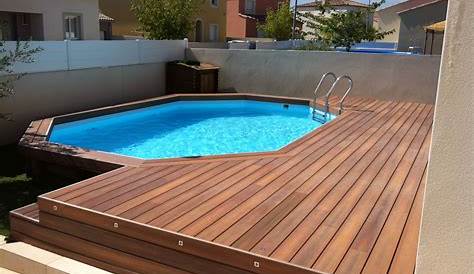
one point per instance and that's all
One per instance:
(137, 248)
(244, 224)
(404, 259)
(267, 223)
(398, 165)
(116, 188)
(232, 176)
(152, 182)
(201, 182)
(274, 181)
(334, 208)
(25, 231)
(362, 245)
(383, 251)
(92, 184)
(327, 183)
(193, 221)
(201, 216)
(169, 189)
(344, 198)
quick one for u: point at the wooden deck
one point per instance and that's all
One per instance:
(346, 198)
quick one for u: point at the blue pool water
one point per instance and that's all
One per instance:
(190, 129)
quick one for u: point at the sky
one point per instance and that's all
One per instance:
(387, 2)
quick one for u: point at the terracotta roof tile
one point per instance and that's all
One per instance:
(335, 3)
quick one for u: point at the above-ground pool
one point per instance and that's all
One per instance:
(191, 129)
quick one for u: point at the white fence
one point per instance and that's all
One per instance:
(71, 55)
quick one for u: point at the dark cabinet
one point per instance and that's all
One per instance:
(188, 78)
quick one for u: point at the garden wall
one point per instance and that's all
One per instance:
(81, 75)
(296, 73)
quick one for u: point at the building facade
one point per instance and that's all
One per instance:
(409, 20)
(243, 16)
(209, 24)
(49, 20)
(334, 6)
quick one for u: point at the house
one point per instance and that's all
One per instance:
(49, 19)
(243, 16)
(409, 20)
(209, 23)
(334, 6)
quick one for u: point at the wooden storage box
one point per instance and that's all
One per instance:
(185, 78)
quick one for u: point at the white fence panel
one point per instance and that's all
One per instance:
(151, 51)
(87, 54)
(52, 57)
(69, 55)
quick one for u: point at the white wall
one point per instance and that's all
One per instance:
(70, 55)
(296, 73)
(447, 231)
(88, 75)
(53, 11)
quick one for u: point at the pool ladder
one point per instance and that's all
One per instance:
(322, 118)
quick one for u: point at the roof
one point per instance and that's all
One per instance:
(438, 27)
(409, 4)
(335, 3)
(103, 17)
(421, 5)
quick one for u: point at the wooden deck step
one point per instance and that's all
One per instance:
(346, 198)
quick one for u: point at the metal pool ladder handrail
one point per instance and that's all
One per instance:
(349, 88)
(326, 97)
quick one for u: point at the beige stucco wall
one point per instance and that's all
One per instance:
(296, 73)
(412, 32)
(53, 10)
(39, 95)
(209, 14)
(126, 24)
(388, 19)
(447, 236)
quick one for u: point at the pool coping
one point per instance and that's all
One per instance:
(34, 142)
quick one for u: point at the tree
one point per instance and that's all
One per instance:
(278, 23)
(165, 19)
(22, 53)
(343, 29)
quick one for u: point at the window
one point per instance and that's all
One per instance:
(250, 6)
(198, 31)
(213, 32)
(215, 3)
(72, 27)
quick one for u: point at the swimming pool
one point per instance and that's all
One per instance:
(190, 129)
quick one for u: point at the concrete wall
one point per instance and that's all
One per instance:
(40, 95)
(447, 231)
(296, 73)
(412, 32)
(52, 12)
(213, 45)
(81, 75)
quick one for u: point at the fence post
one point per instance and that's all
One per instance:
(186, 43)
(68, 61)
(139, 52)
